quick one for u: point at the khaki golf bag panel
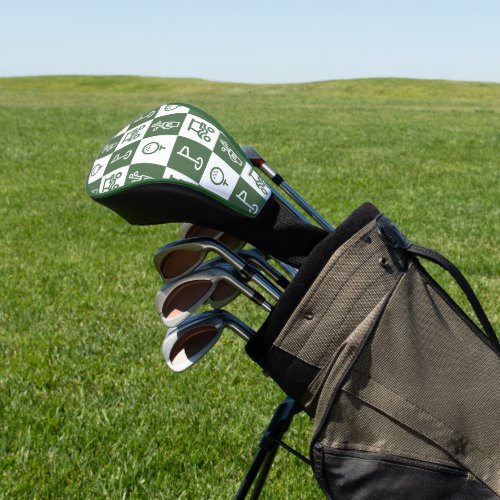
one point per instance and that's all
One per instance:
(402, 386)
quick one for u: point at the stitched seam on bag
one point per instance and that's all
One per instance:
(328, 305)
(320, 473)
(362, 293)
(330, 400)
(281, 338)
(351, 361)
(337, 261)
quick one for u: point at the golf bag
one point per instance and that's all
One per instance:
(403, 387)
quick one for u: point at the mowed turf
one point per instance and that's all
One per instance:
(87, 406)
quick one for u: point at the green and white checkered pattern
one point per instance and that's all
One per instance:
(179, 144)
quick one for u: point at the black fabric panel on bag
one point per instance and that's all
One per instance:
(316, 261)
(355, 475)
(276, 361)
(275, 230)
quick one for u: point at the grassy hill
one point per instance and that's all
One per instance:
(87, 407)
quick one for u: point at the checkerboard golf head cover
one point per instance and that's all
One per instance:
(180, 145)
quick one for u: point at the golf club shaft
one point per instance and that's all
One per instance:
(266, 285)
(252, 294)
(303, 203)
(240, 328)
(259, 162)
(189, 230)
(290, 270)
(256, 258)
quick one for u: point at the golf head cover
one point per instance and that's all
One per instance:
(176, 163)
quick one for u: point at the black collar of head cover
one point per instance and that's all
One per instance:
(275, 230)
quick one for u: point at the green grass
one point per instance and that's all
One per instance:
(87, 407)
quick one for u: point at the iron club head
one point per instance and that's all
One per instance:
(178, 299)
(185, 344)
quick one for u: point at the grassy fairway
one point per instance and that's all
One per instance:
(87, 407)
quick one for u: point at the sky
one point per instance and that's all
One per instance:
(253, 41)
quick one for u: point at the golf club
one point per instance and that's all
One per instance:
(180, 257)
(254, 256)
(259, 162)
(188, 230)
(180, 298)
(185, 344)
(224, 292)
(258, 259)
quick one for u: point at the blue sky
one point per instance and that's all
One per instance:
(257, 41)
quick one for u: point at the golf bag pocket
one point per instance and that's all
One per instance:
(349, 474)
(401, 384)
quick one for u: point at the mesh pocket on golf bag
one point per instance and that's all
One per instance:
(416, 407)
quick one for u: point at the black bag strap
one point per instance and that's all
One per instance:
(397, 240)
(457, 275)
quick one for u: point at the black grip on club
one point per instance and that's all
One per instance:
(277, 231)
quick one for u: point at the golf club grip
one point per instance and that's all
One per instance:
(278, 232)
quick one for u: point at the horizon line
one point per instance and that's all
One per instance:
(305, 82)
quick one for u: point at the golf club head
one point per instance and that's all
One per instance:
(224, 293)
(186, 344)
(182, 257)
(179, 258)
(179, 299)
(176, 163)
(188, 230)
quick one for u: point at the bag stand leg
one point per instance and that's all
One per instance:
(268, 446)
